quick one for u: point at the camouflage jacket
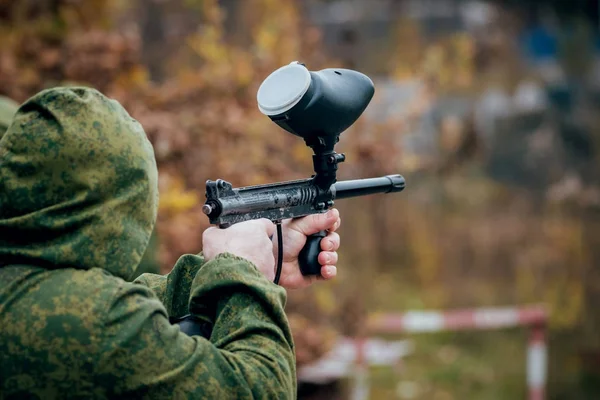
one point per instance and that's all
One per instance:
(78, 201)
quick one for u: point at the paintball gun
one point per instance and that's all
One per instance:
(316, 106)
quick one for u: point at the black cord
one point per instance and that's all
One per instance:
(279, 254)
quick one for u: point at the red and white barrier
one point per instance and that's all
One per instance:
(347, 353)
(437, 321)
(534, 317)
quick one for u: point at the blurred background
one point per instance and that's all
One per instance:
(488, 108)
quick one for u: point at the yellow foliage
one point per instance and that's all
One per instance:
(448, 62)
(275, 28)
(135, 77)
(175, 199)
(325, 299)
(566, 301)
(427, 258)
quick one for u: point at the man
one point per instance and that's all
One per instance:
(78, 201)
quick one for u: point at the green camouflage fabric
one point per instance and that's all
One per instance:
(8, 108)
(78, 201)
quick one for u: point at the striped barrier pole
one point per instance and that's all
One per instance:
(537, 361)
(361, 372)
(438, 321)
(534, 317)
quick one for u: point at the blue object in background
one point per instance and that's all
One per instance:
(539, 44)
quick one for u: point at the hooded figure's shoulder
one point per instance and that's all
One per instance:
(54, 325)
(62, 305)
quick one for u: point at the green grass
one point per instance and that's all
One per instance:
(486, 365)
(483, 364)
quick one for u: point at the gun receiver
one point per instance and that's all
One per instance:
(316, 106)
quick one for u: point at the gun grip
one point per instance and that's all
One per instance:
(309, 255)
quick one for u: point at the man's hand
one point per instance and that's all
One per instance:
(295, 232)
(249, 240)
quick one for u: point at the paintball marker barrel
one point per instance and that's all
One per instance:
(363, 187)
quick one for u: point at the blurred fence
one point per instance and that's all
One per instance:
(352, 357)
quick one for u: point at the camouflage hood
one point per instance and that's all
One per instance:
(78, 184)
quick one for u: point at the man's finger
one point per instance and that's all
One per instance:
(316, 222)
(269, 226)
(331, 242)
(328, 271)
(336, 226)
(328, 258)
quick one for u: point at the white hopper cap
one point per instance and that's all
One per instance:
(283, 89)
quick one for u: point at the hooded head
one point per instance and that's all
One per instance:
(78, 184)
(8, 108)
